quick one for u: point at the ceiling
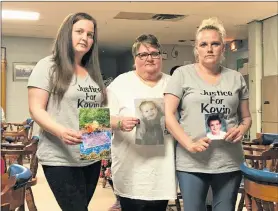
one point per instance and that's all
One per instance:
(120, 33)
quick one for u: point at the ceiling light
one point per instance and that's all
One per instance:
(20, 15)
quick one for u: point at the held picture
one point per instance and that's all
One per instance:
(94, 124)
(151, 129)
(215, 126)
(22, 71)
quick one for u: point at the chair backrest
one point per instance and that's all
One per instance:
(13, 186)
(266, 138)
(261, 180)
(262, 186)
(32, 148)
(273, 154)
(30, 123)
(261, 158)
(15, 132)
(269, 138)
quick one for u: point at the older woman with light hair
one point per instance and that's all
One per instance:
(196, 91)
(143, 174)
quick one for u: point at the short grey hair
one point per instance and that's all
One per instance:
(143, 39)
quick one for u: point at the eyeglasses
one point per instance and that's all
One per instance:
(144, 55)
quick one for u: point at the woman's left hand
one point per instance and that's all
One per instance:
(233, 135)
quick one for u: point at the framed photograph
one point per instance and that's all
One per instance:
(151, 130)
(216, 126)
(22, 70)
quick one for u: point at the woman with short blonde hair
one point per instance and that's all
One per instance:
(196, 91)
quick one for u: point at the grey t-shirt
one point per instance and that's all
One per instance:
(197, 100)
(82, 92)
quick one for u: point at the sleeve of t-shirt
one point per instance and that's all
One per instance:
(40, 76)
(175, 84)
(243, 93)
(113, 101)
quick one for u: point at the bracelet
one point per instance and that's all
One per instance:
(119, 124)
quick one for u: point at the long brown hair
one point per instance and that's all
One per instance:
(63, 58)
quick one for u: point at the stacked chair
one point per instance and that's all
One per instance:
(13, 185)
(18, 145)
(260, 174)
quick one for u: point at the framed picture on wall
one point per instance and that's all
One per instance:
(22, 70)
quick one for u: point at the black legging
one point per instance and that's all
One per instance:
(73, 187)
(128, 204)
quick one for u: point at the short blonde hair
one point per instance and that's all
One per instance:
(210, 24)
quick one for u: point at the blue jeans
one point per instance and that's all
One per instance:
(194, 188)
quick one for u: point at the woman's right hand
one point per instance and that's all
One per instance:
(70, 137)
(128, 123)
(199, 146)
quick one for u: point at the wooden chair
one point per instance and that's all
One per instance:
(13, 186)
(265, 138)
(30, 150)
(18, 132)
(253, 151)
(261, 181)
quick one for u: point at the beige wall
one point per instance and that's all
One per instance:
(270, 46)
(270, 75)
(21, 50)
(184, 53)
(26, 49)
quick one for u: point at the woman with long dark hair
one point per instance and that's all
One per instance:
(59, 85)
